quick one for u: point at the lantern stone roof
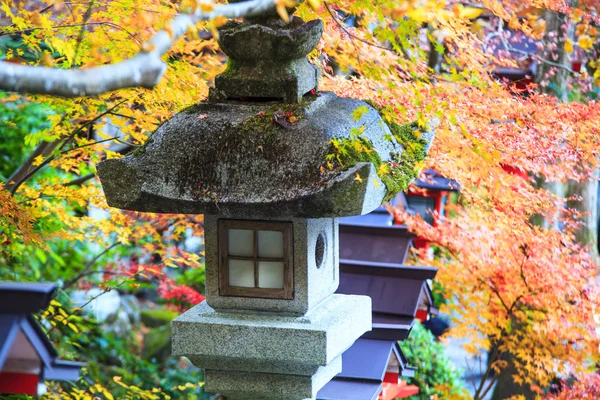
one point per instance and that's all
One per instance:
(261, 158)
(268, 143)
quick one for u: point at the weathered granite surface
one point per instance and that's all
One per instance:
(268, 342)
(268, 61)
(260, 386)
(311, 284)
(234, 158)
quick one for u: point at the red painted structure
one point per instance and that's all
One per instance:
(19, 383)
(27, 358)
(427, 197)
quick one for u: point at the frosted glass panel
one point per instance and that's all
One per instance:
(241, 242)
(270, 274)
(270, 244)
(241, 273)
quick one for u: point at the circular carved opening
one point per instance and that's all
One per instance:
(320, 250)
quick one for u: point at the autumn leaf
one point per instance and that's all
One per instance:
(38, 160)
(47, 60)
(585, 42)
(568, 46)
(315, 4)
(467, 12)
(219, 21)
(281, 7)
(383, 169)
(539, 28)
(36, 19)
(147, 47)
(169, 29)
(207, 7)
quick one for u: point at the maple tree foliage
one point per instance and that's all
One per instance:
(499, 269)
(586, 388)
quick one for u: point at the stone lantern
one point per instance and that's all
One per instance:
(253, 160)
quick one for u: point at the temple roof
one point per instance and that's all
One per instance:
(17, 302)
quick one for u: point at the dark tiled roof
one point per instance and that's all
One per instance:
(394, 290)
(390, 328)
(364, 366)
(432, 180)
(25, 298)
(350, 389)
(375, 243)
(367, 359)
(394, 270)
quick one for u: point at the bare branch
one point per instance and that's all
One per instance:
(89, 265)
(79, 181)
(144, 70)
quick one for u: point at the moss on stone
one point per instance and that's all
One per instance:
(142, 149)
(397, 172)
(157, 344)
(156, 318)
(263, 135)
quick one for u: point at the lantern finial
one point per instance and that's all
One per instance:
(267, 59)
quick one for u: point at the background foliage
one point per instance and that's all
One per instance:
(532, 285)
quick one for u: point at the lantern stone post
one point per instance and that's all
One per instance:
(253, 160)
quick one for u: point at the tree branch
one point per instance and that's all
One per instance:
(89, 265)
(144, 70)
(80, 180)
(24, 172)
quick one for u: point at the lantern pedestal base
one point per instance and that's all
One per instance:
(237, 385)
(268, 355)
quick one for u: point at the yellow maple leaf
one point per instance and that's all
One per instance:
(207, 7)
(585, 42)
(383, 169)
(421, 15)
(539, 28)
(569, 46)
(358, 178)
(219, 21)
(47, 60)
(314, 3)
(467, 12)
(38, 160)
(282, 11)
(169, 30)
(281, 6)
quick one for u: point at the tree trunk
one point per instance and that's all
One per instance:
(552, 79)
(587, 234)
